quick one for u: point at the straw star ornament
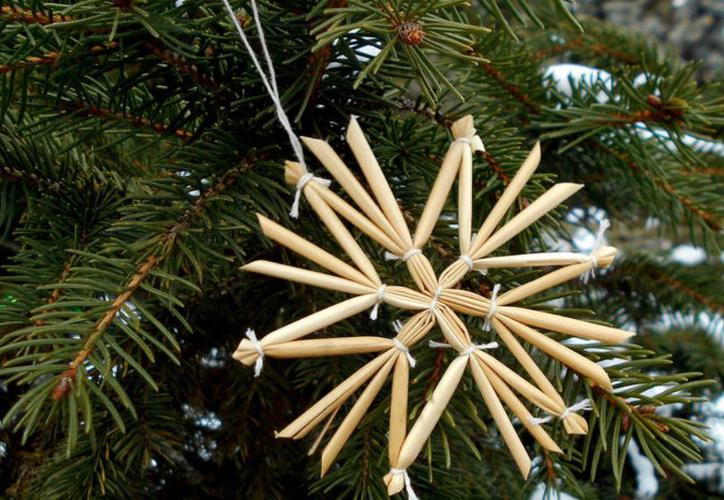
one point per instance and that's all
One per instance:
(436, 301)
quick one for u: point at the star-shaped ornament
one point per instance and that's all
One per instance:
(436, 301)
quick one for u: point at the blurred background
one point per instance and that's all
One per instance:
(692, 27)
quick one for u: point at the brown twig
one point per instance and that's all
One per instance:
(46, 60)
(496, 167)
(681, 286)
(50, 58)
(646, 116)
(716, 171)
(143, 271)
(596, 48)
(55, 294)
(31, 16)
(509, 87)
(137, 121)
(437, 371)
(181, 64)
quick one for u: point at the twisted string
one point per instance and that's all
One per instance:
(435, 299)
(303, 180)
(270, 83)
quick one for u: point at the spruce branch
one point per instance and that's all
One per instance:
(95, 345)
(45, 60)
(20, 14)
(712, 221)
(83, 110)
(397, 29)
(513, 90)
(588, 44)
(511, 10)
(143, 272)
(64, 385)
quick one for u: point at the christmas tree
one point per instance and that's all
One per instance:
(139, 142)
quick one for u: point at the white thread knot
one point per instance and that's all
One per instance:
(471, 264)
(468, 261)
(380, 298)
(478, 347)
(303, 181)
(468, 351)
(493, 308)
(251, 335)
(405, 256)
(583, 405)
(602, 227)
(408, 483)
(474, 141)
(405, 350)
(482, 271)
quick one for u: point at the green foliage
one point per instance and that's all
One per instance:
(404, 34)
(137, 143)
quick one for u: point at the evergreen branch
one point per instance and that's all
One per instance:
(513, 90)
(62, 389)
(584, 44)
(64, 275)
(82, 109)
(143, 271)
(658, 115)
(709, 219)
(496, 167)
(52, 58)
(717, 171)
(509, 11)
(640, 388)
(181, 64)
(47, 59)
(684, 288)
(15, 13)
(416, 33)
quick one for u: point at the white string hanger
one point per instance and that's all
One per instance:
(270, 82)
